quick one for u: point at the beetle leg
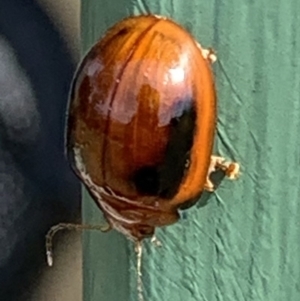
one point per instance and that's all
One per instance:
(139, 253)
(209, 54)
(231, 170)
(209, 186)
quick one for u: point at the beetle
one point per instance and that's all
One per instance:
(141, 123)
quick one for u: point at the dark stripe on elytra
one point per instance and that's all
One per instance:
(164, 180)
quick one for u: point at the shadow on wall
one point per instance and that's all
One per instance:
(37, 188)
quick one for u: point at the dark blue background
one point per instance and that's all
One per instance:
(37, 188)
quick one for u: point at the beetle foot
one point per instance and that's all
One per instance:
(231, 170)
(155, 241)
(209, 54)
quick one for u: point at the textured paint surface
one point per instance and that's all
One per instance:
(245, 244)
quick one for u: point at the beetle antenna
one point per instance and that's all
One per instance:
(68, 226)
(139, 252)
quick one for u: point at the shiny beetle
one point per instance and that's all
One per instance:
(141, 124)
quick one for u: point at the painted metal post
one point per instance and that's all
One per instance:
(245, 244)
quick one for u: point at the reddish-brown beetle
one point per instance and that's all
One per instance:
(141, 123)
(140, 127)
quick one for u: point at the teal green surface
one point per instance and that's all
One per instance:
(245, 244)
